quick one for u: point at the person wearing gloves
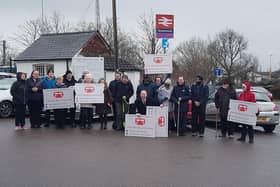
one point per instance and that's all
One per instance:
(104, 109)
(180, 97)
(48, 82)
(164, 95)
(124, 91)
(18, 92)
(249, 96)
(200, 94)
(86, 108)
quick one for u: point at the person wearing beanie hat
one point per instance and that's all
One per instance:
(200, 94)
(222, 99)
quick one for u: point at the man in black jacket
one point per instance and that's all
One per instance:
(124, 90)
(180, 97)
(200, 94)
(112, 88)
(222, 99)
(144, 101)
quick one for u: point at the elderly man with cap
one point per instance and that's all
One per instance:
(200, 94)
(222, 99)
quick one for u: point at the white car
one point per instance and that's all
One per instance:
(268, 116)
(6, 100)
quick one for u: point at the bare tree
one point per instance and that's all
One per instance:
(228, 51)
(191, 58)
(147, 37)
(10, 52)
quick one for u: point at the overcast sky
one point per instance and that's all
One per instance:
(257, 20)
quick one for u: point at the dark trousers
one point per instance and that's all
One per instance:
(71, 115)
(121, 110)
(48, 117)
(103, 120)
(35, 109)
(182, 122)
(226, 126)
(247, 129)
(20, 114)
(198, 119)
(86, 117)
(114, 112)
(59, 117)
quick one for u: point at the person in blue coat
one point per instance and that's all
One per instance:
(200, 94)
(149, 86)
(180, 97)
(48, 82)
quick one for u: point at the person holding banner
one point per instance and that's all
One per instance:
(222, 99)
(200, 94)
(180, 97)
(48, 82)
(60, 114)
(124, 91)
(249, 96)
(69, 81)
(149, 86)
(112, 88)
(86, 109)
(18, 91)
(105, 108)
(34, 90)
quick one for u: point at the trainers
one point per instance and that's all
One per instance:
(194, 134)
(24, 127)
(17, 128)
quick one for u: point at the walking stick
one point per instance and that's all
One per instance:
(217, 123)
(123, 111)
(178, 119)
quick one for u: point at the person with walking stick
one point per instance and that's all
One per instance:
(180, 97)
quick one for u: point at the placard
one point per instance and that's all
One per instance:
(58, 98)
(158, 64)
(89, 93)
(160, 118)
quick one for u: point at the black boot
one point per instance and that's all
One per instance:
(105, 125)
(242, 138)
(101, 125)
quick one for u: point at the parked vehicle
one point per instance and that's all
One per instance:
(262, 90)
(268, 116)
(6, 103)
(7, 75)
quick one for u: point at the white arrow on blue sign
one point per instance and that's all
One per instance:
(218, 72)
(164, 43)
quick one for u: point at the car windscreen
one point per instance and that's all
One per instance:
(260, 96)
(6, 83)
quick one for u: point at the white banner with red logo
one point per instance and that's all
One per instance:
(154, 124)
(158, 64)
(89, 93)
(160, 116)
(58, 98)
(139, 126)
(243, 112)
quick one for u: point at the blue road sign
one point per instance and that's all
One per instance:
(164, 43)
(218, 72)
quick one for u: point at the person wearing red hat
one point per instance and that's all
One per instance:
(249, 96)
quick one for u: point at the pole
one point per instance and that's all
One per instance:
(178, 118)
(4, 52)
(115, 28)
(11, 64)
(270, 69)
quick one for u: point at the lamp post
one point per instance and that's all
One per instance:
(270, 68)
(116, 51)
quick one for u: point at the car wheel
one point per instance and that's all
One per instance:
(6, 109)
(269, 129)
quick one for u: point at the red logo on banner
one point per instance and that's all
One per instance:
(161, 121)
(140, 121)
(242, 108)
(158, 60)
(89, 89)
(58, 95)
(164, 21)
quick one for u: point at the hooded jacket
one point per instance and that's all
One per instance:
(124, 90)
(18, 91)
(247, 95)
(48, 83)
(200, 93)
(150, 87)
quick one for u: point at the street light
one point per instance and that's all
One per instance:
(116, 52)
(270, 69)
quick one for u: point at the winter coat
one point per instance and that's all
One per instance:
(59, 86)
(200, 93)
(70, 83)
(47, 83)
(164, 95)
(141, 107)
(150, 87)
(222, 98)
(31, 95)
(112, 87)
(18, 91)
(124, 90)
(105, 108)
(247, 95)
(183, 92)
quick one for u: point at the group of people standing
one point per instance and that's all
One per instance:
(177, 98)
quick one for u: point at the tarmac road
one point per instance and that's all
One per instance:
(50, 157)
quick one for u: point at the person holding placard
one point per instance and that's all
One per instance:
(86, 108)
(249, 96)
(180, 97)
(60, 114)
(103, 109)
(124, 91)
(144, 101)
(149, 86)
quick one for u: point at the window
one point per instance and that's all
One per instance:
(42, 68)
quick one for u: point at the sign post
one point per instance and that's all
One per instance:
(164, 26)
